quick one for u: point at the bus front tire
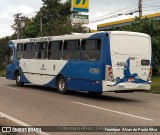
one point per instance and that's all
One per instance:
(19, 80)
(61, 85)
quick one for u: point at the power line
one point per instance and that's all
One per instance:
(128, 10)
(30, 14)
(6, 24)
(151, 9)
(133, 8)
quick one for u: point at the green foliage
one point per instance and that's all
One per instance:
(3, 47)
(151, 27)
(32, 28)
(155, 88)
(2, 70)
(55, 20)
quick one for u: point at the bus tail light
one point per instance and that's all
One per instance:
(109, 74)
(109, 68)
(150, 74)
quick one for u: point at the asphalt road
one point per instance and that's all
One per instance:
(39, 106)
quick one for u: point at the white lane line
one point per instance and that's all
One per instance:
(20, 122)
(143, 118)
(8, 87)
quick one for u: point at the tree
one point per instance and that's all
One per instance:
(19, 21)
(32, 28)
(3, 46)
(56, 20)
(56, 17)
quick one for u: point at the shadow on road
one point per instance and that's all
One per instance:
(104, 97)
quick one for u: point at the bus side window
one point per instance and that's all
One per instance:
(71, 50)
(29, 50)
(41, 50)
(90, 49)
(55, 50)
(19, 51)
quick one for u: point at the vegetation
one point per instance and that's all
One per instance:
(55, 20)
(3, 43)
(2, 71)
(155, 88)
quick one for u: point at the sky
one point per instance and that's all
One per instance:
(97, 9)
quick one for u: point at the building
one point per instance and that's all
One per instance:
(117, 24)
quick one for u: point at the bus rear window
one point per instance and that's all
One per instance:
(145, 62)
(130, 45)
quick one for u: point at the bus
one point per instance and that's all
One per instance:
(115, 61)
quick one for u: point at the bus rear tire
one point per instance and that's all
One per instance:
(19, 80)
(61, 85)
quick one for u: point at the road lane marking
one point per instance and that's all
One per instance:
(9, 87)
(20, 122)
(127, 114)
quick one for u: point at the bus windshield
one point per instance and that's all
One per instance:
(9, 56)
(128, 44)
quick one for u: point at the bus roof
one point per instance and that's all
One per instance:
(75, 36)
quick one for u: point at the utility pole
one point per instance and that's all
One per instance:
(140, 9)
(41, 22)
(22, 25)
(17, 16)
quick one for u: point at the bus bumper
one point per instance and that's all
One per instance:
(126, 86)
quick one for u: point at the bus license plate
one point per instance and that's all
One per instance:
(121, 86)
(131, 80)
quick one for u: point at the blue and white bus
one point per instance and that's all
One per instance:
(115, 61)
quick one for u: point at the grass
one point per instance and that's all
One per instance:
(155, 88)
(2, 71)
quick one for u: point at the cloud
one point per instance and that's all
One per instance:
(98, 8)
(24, 9)
(8, 8)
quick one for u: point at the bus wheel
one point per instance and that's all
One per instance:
(19, 80)
(61, 85)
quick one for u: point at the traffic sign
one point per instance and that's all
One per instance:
(80, 5)
(78, 18)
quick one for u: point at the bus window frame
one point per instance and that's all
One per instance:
(92, 60)
(46, 50)
(29, 51)
(62, 42)
(79, 40)
(21, 51)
